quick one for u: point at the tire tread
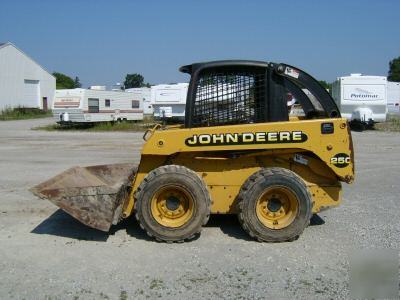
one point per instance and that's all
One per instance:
(248, 185)
(163, 170)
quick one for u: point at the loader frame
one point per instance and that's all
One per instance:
(226, 155)
(224, 168)
(239, 152)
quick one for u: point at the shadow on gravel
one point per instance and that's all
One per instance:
(229, 225)
(316, 220)
(132, 228)
(62, 224)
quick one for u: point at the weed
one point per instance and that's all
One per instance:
(392, 124)
(21, 113)
(156, 284)
(123, 295)
(94, 127)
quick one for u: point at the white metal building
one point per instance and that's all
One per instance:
(23, 82)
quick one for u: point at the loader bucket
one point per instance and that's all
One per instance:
(93, 195)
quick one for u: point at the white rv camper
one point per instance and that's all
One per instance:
(87, 106)
(169, 100)
(144, 94)
(393, 97)
(361, 98)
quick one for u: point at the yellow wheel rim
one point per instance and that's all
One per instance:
(277, 207)
(172, 206)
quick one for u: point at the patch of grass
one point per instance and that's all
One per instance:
(123, 295)
(105, 126)
(23, 113)
(156, 284)
(392, 124)
(148, 119)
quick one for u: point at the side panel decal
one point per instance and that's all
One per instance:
(341, 160)
(273, 137)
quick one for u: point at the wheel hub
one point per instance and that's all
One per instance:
(172, 203)
(277, 207)
(172, 206)
(274, 204)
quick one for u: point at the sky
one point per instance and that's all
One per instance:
(101, 41)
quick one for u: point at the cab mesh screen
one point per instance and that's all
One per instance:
(229, 98)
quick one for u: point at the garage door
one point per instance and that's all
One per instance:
(31, 93)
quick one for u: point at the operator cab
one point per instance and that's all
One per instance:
(241, 92)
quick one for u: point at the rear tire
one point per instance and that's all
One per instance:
(172, 204)
(274, 205)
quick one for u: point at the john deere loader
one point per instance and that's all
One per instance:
(240, 151)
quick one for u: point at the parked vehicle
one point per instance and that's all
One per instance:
(88, 106)
(393, 97)
(144, 94)
(361, 99)
(169, 100)
(272, 170)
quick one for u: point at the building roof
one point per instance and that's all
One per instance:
(3, 45)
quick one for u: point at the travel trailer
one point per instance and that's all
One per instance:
(361, 98)
(169, 100)
(144, 94)
(393, 97)
(89, 106)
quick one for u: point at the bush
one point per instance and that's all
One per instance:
(101, 126)
(392, 124)
(20, 113)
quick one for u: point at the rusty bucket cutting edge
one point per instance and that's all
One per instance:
(93, 195)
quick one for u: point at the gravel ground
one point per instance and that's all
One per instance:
(45, 254)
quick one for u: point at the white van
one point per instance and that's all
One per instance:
(393, 97)
(89, 106)
(361, 98)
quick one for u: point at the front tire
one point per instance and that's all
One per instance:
(172, 204)
(274, 205)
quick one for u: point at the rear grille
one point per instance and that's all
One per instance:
(229, 98)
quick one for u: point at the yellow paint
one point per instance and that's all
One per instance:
(172, 216)
(224, 168)
(279, 218)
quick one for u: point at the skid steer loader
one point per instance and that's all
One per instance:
(240, 151)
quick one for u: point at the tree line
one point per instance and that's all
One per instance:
(393, 74)
(135, 80)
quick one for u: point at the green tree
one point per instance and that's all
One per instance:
(394, 70)
(325, 85)
(133, 81)
(63, 81)
(77, 82)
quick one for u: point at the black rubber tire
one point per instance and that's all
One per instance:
(253, 188)
(172, 175)
(358, 126)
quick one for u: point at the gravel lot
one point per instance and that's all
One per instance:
(45, 254)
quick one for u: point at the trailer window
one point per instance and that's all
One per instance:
(107, 103)
(135, 104)
(93, 104)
